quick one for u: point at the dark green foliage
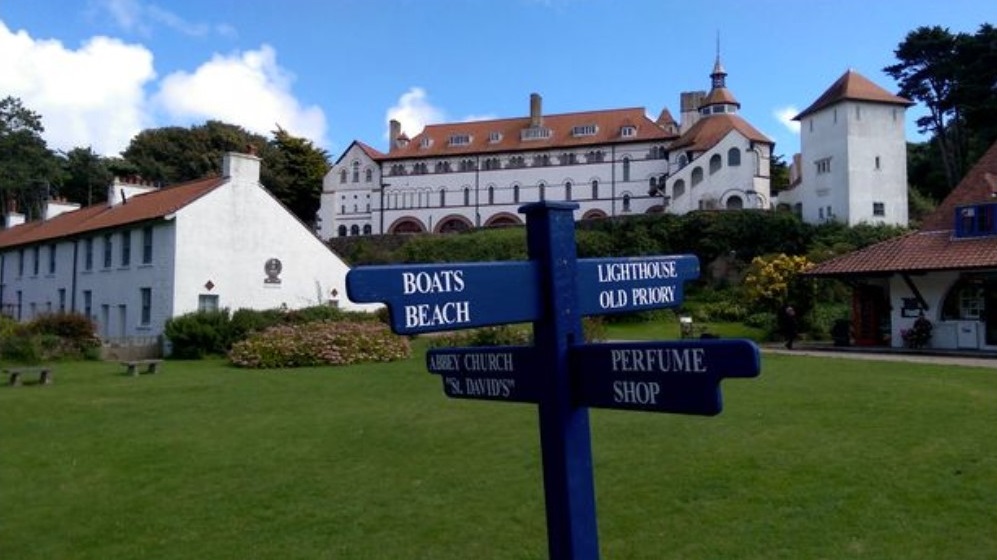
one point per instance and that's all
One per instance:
(503, 335)
(85, 176)
(28, 169)
(199, 334)
(21, 347)
(54, 336)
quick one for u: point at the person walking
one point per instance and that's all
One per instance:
(789, 326)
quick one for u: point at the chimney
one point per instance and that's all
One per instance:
(241, 168)
(690, 102)
(58, 206)
(394, 132)
(536, 110)
(121, 190)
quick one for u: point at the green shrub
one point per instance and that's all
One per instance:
(72, 335)
(503, 335)
(199, 334)
(21, 346)
(319, 343)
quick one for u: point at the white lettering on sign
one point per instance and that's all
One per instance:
(440, 282)
(653, 295)
(648, 360)
(636, 392)
(444, 362)
(487, 362)
(437, 315)
(641, 270)
(493, 387)
(613, 299)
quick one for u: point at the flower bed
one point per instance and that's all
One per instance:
(319, 343)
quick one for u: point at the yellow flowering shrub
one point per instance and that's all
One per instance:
(772, 280)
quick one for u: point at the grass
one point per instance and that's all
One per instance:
(815, 459)
(669, 330)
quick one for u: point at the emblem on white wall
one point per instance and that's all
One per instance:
(272, 269)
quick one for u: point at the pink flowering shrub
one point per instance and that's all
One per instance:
(319, 343)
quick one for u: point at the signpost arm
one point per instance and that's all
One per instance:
(569, 490)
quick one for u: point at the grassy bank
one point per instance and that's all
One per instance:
(814, 459)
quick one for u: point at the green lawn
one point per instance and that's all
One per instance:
(815, 459)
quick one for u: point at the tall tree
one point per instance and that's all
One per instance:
(296, 168)
(85, 176)
(926, 73)
(27, 167)
(975, 90)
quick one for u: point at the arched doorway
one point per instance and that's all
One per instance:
(407, 225)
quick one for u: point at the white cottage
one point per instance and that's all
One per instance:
(149, 254)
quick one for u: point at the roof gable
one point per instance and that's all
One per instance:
(852, 86)
(710, 130)
(978, 186)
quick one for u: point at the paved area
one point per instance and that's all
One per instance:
(967, 359)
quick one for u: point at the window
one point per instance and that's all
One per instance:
(515, 194)
(88, 253)
(368, 175)
(342, 176)
(492, 164)
(126, 248)
(491, 195)
(595, 156)
(628, 131)
(715, 163)
(678, 189)
(426, 142)
(146, 317)
(62, 300)
(20, 302)
(467, 196)
(367, 229)
(567, 190)
(697, 176)
(466, 165)
(356, 171)
(543, 191)
(878, 208)
(147, 245)
(517, 162)
(877, 163)
(494, 137)
(51, 259)
(820, 213)
(107, 250)
(37, 257)
(823, 166)
(443, 197)
(20, 262)
(354, 230)
(207, 302)
(626, 203)
(535, 133)
(584, 130)
(595, 189)
(342, 231)
(460, 139)
(568, 159)
(626, 169)
(542, 160)
(88, 303)
(733, 157)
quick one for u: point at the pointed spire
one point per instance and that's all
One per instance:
(718, 75)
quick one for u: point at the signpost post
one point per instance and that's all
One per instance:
(560, 373)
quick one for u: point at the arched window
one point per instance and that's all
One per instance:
(626, 169)
(697, 176)
(626, 203)
(683, 160)
(368, 175)
(595, 189)
(342, 231)
(715, 162)
(356, 171)
(467, 196)
(678, 189)
(964, 300)
(733, 157)
(491, 195)
(367, 230)
(543, 191)
(515, 194)
(567, 190)
(653, 184)
(354, 230)
(735, 203)
(443, 197)
(342, 176)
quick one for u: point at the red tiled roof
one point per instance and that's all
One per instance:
(934, 246)
(371, 152)
(719, 96)
(139, 208)
(856, 87)
(711, 129)
(608, 124)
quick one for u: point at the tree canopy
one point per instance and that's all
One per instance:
(27, 167)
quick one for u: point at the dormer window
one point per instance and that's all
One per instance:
(460, 139)
(628, 131)
(535, 133)
(425, 142)
(494, 137)
(978, 220)
(584, 130)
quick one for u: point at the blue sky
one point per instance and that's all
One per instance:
(99, 71)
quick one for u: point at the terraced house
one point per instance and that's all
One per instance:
(148, 254)
(616, 162)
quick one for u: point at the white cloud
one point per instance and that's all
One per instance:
(92, 96)
(414, 112)
(135, 16)
(473, 118)
(785, 117)
(248, 89)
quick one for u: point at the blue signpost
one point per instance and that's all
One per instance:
(560, 373)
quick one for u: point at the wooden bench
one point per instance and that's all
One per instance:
(44, 374)
(132, 366)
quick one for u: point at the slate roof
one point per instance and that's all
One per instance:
(854, 87)
(608, 125)
(934, 246)
(138, 208)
